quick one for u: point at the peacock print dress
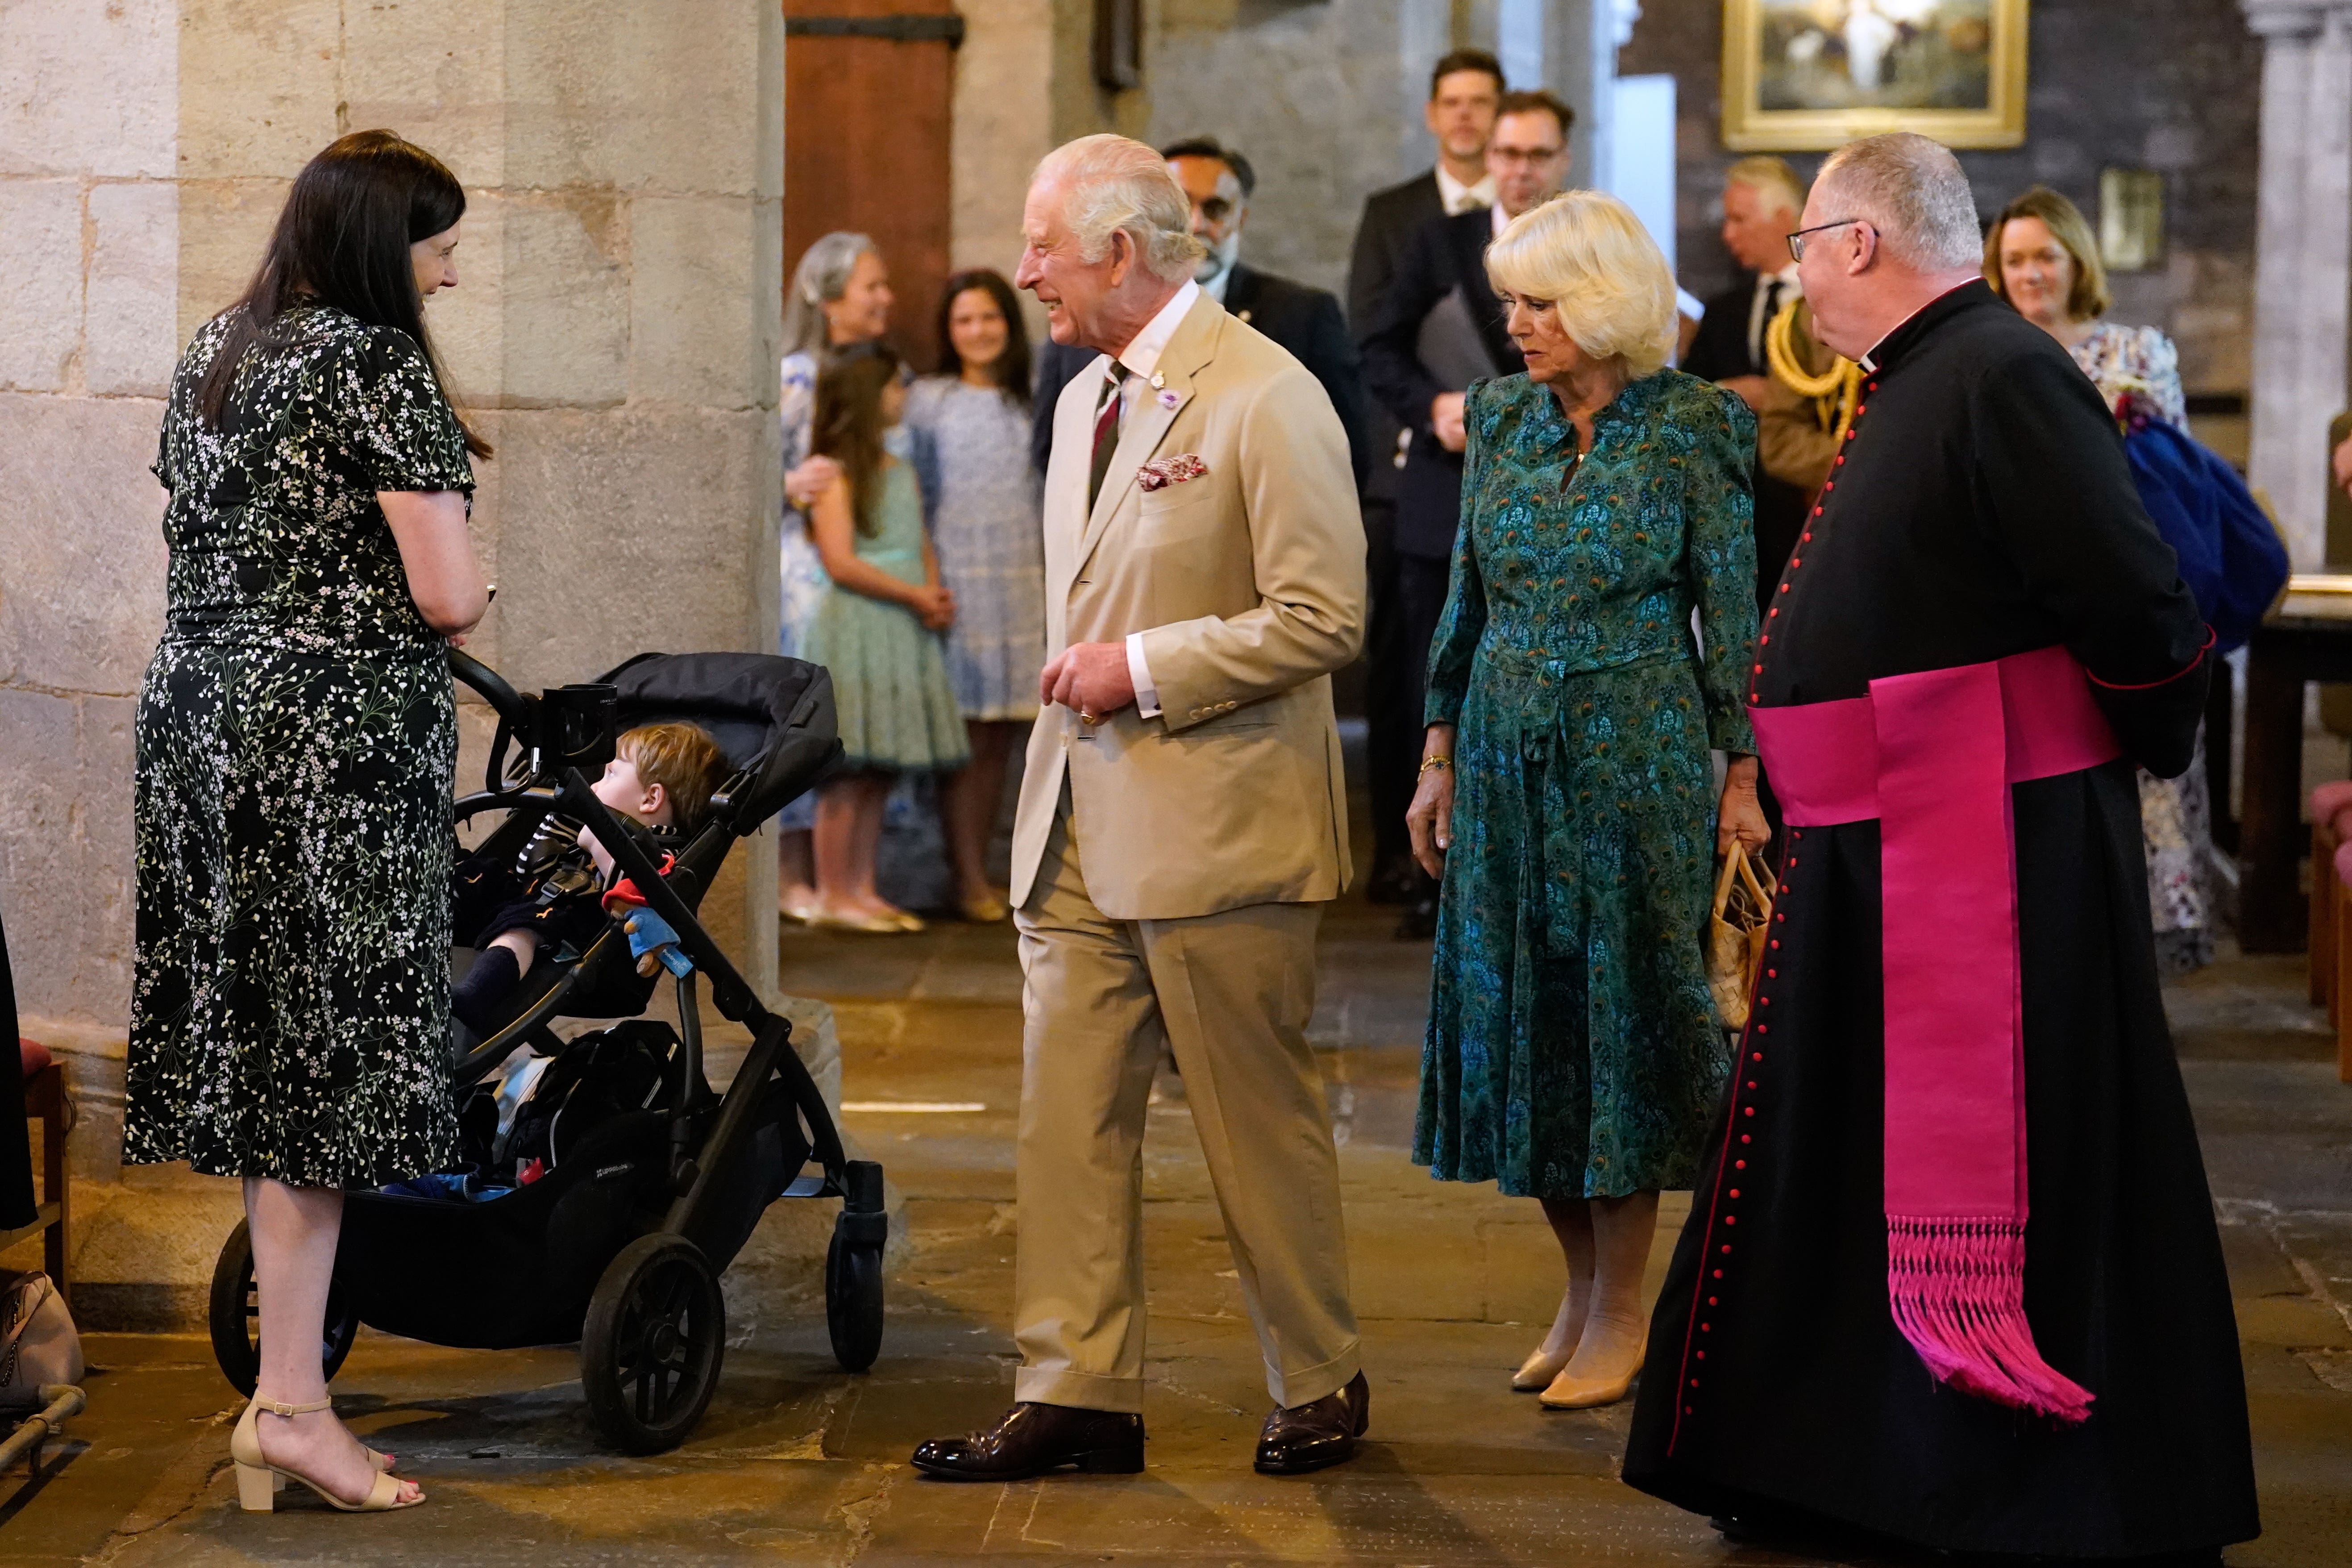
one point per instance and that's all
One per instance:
(1573, 1050)
(295, 742)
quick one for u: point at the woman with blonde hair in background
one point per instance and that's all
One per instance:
(1566, 795)
(2040, 255)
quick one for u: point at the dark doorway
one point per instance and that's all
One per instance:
(868, 84)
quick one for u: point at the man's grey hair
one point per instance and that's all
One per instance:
(1112, 184)
(822, 278)
(1913, 193)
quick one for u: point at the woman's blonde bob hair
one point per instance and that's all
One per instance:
(2087, 297)
(1587, 254)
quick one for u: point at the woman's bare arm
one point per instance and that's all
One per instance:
(438, 554)
(833, 525)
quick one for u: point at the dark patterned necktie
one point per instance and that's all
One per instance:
(1106, 433)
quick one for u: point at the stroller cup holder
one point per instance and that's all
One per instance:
(620, 1243)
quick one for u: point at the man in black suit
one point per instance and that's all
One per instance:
(1438, 327)
(1463, 88)
(1761, 199)
(1305, 321)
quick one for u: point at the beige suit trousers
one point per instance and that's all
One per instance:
(1230, 994)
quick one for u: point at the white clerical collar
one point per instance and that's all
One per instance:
(1142, 357)
(1460, 198)
(1869, 362)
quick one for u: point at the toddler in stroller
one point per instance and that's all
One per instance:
(557, 893)
(651, 1180)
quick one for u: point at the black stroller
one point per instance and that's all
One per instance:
(652, 1181)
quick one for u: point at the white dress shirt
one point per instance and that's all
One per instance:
(1135, 363)
(1460, 198)
(1757, 316)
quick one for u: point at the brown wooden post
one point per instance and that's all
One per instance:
(2271, 913)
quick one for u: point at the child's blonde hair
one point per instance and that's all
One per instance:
(684, 761)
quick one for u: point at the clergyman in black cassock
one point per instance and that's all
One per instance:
(1981, 510)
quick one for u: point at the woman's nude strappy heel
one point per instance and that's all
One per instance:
(259, 1481)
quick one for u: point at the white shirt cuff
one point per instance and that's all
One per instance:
(1138, 672)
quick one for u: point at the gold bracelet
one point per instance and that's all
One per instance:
(1442, 763)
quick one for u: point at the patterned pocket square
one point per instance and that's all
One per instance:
(1161, 472)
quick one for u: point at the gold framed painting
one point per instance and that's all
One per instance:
(1810, 75)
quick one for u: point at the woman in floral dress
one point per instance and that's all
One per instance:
(969, 426)
(2040, 256)
(296, 743)
(1567, 794)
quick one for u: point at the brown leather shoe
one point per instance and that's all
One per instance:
(1033, 1438)
(1306, 1437)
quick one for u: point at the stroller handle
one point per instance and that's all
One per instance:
(508, 703)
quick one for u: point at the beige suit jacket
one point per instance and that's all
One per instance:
(1248, 585)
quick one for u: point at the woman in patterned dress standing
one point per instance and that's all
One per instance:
(970, 425)
(2040, 255)
(296, 742)
(1566, 797)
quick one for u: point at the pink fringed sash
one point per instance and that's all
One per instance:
(1932, 756)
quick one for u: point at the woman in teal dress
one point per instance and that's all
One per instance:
(1567, 794)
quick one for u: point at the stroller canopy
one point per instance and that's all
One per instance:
(771, 716)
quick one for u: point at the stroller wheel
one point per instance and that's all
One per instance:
(853, 1296)
(649, 1356)
(236, 1316)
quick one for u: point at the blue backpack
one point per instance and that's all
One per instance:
(2231, 556)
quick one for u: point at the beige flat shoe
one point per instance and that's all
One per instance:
(1568, 1393)
(1536, 1372)
(868, 925)
(259, 1481)
(803, 910)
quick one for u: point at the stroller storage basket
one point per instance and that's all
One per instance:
(519, 1270)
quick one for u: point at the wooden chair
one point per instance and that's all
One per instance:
(46, 1101)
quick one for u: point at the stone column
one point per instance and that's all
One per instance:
(2302, 269)
(614, 333)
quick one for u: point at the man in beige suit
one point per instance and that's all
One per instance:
(1182, 820)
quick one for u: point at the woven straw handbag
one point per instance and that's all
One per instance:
(1735, 933)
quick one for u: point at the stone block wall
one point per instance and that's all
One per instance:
(2175, 88)
(613, 334)
(88, 148)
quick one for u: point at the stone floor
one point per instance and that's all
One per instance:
(799, 1463)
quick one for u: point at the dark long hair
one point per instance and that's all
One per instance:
(1011, 371)
(848, 426)
(343, 241)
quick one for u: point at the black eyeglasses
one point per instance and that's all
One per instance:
(1797, 240)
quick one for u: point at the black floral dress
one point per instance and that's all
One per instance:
(1573, 1050)
(296, 744)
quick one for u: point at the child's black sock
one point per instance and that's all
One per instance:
(476, 997)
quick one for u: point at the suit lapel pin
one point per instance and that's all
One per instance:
(1243, 318)
(1168, 399)
(1159, 382)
